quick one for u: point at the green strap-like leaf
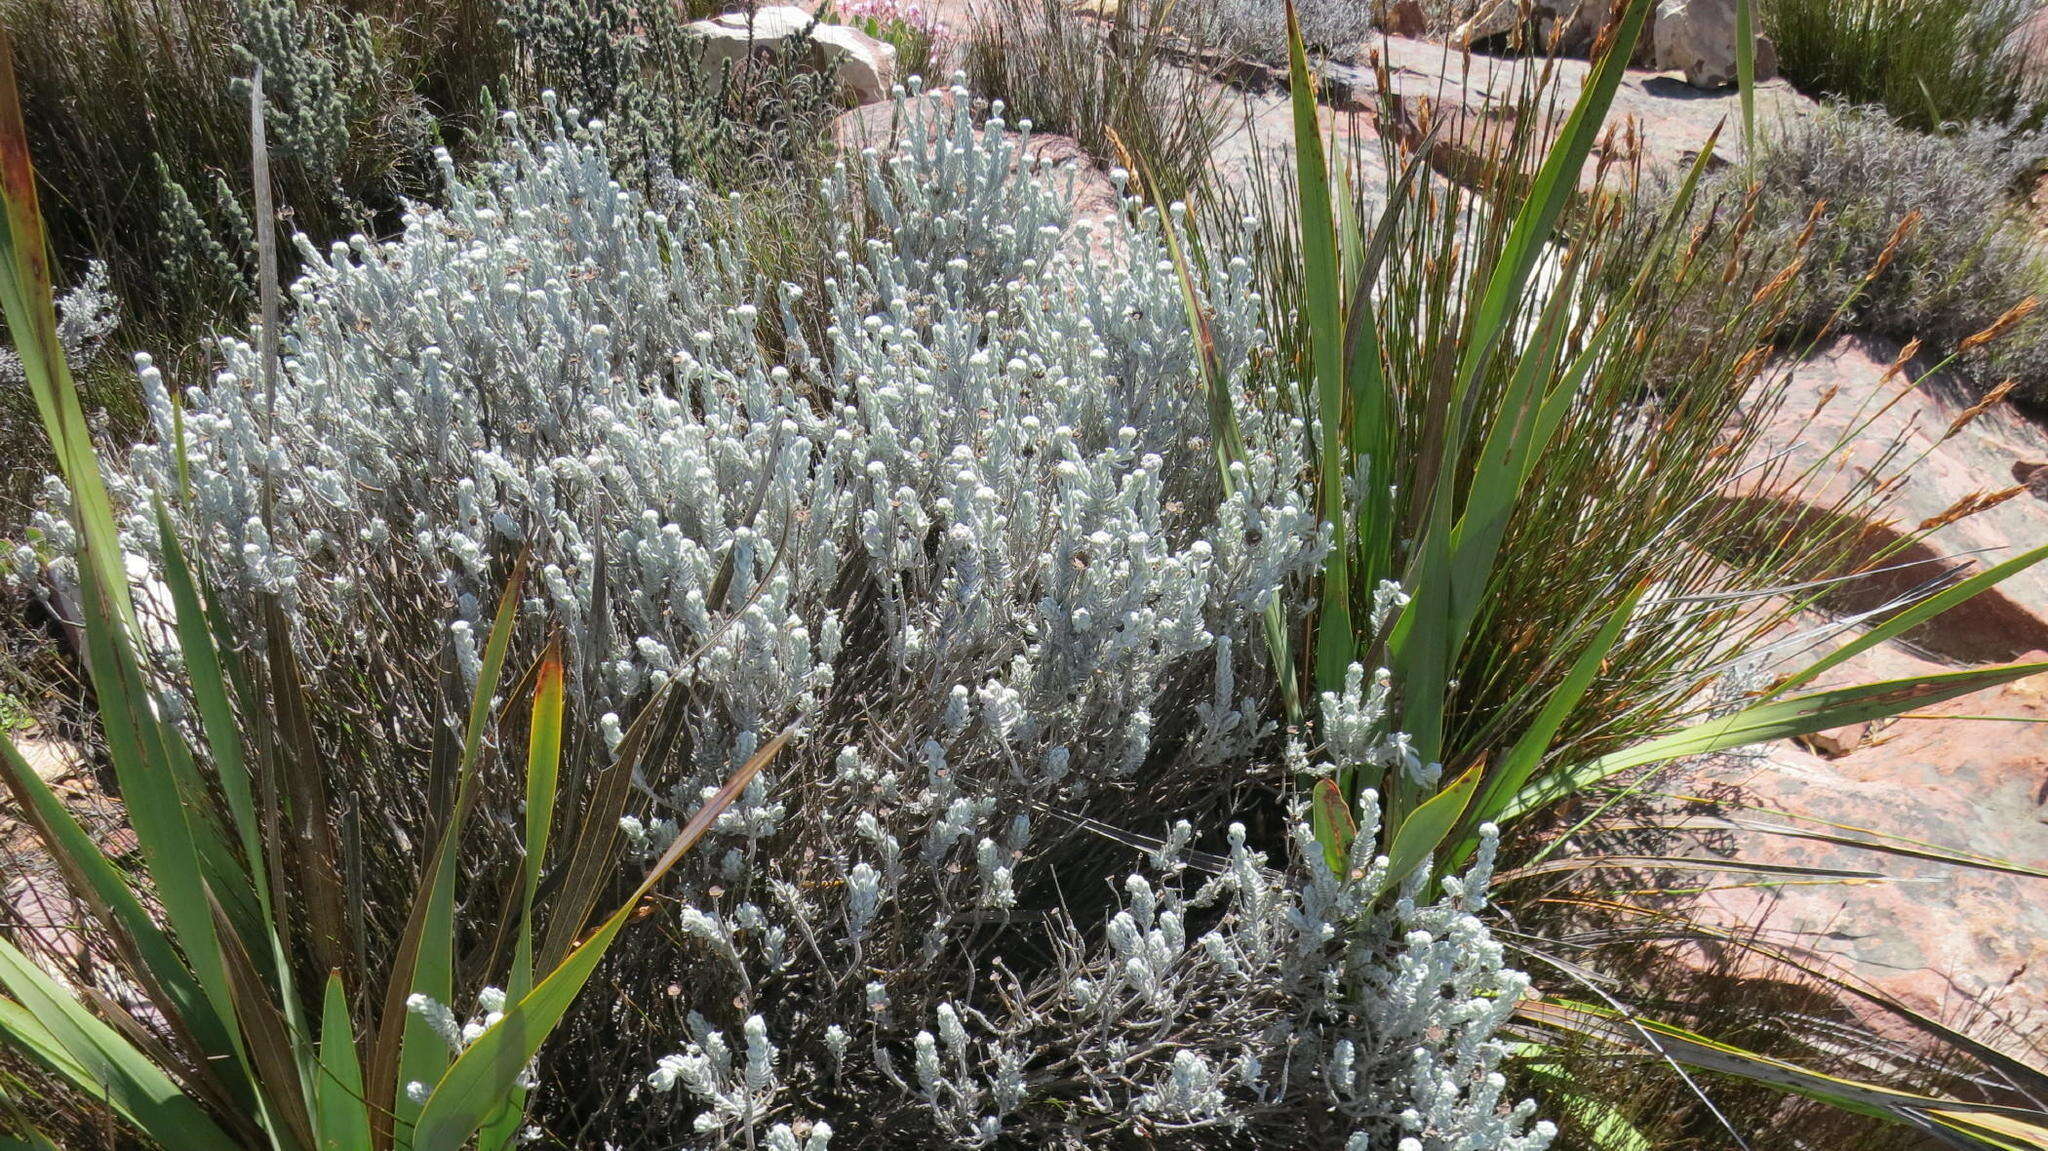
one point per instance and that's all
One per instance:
(339, 1106)
(1920, 612)
(42, 1020)
(152, 782)
(1427, 640)
(478, 1084)
(543, 771)
(1424, 830)
(94, 878)
(1779, 719)
(1324, 305)
(281, 1058)
(25, 299)
(407, 1049)
(1556, 182)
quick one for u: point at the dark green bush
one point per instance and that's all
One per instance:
(1927, 62)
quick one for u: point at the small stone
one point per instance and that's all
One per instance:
(864, 66)
(119, 842)
(2033, 475)
(1698, 38)
(1405, 18)
(1836, 742)
(53, 760)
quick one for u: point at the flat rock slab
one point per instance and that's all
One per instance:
(1257, 152)
(1958, 944)
(1655, 114)
(1955, 943)
(1843, 414)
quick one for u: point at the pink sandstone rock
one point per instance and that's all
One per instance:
(1958, 944)
(1844, 394)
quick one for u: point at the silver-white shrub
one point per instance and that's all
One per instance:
(959, 520)
(1343, 1002)
(87, 314)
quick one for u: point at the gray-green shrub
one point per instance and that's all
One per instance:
(1971, 257)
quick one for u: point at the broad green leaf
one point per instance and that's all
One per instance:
(1518, 439)
(543, 771)
(95, 878)
(1324, 304)
(25, 299)
(42, 1019)
(1528, 417)
(1780, 719)
(340, 1107)
(152, 781)
(158, 787)
(280, 1059)
(594, 855)
(1372, 401)
(1920, 612)
(1555, 184)
(1423, 831)
(407, 1049)
(477, 1085)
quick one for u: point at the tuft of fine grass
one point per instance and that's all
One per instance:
(1927, 62)
(1116, 85)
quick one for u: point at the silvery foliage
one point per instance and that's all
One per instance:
(1343, 998)
(1259, 27)
(971, 541)
(1007, 466)
(87, 314)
